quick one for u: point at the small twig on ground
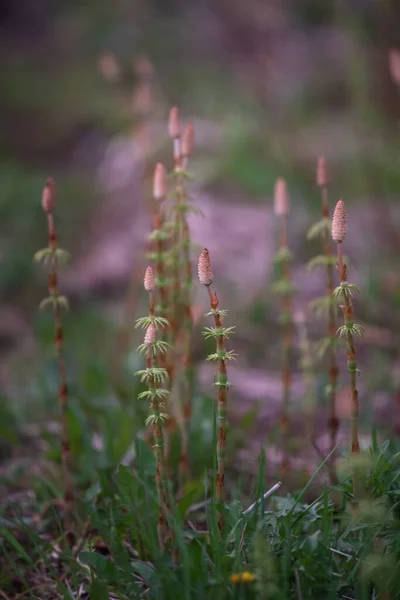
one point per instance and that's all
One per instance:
(264, 497)
(341, 553)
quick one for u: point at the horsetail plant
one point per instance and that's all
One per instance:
(174, 225)
(327, 303)
(181, 274)
(187, 149)
(180, 242)
(221, 356)
(350, 329)
(158, 252)
(285, 288)
(154, 376)
(158, 239)
(51, 258)
(159, 236)
(160, 242)
(179, 206)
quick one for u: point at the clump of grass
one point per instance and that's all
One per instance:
(154, 376)
(51, 258)
(350, 330)
(327, 303)
(219, 333)
(284, 288)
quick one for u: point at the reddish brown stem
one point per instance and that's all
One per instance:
(63, 387)
(222, 381)
(351, 366)
(333, 366)
(187, 352)
(351, 355)
(286, 375)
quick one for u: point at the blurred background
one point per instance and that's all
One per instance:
(270, 85)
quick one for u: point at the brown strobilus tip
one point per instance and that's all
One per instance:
(160, 186)
(174, 126)
(339, 222)
(187, 141)
(49, 196)
(281, 198)
(204, 268)
(149, 281)
(322, 175)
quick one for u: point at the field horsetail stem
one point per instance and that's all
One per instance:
(159, 240)
(221, 356)
(326, 305)
(178, 197)
(187, 332)
(350, 330)
(322, 182)
(155, 376)
(159, 236)
(51, 258)
(158, 253)
(285, 289)
(180, 335)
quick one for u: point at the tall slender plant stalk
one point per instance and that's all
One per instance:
(187, 332)
(154, 376)
(180, 268)
(178, 197)
(326, 305)
(219, 333)
(51, 258)
(284, 287)
(322, 182)
(350, 329)
(159, 239)
(158, 253)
